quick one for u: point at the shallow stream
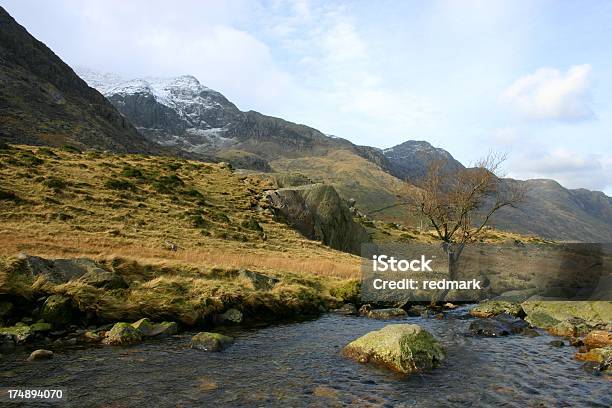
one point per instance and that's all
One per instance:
(299, 364)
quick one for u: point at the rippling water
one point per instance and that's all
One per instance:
(299, 364)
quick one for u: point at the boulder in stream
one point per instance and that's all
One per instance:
(40, 354)
(405, 348)
(208, 341)
(123, 334)
(501, 325)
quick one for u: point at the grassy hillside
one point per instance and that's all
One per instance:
(176, 231)
(353, 177)
(62, 203)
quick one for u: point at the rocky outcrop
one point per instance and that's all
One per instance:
(405, 348)
(318, 212)
(63, 270)
(44, 102)
(207, 341)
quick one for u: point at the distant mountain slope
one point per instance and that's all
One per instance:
(550, 210)
(182, 113)
(42, 101)
(556, 212)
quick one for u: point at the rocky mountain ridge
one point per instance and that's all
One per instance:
(553, 211)
(43, 102)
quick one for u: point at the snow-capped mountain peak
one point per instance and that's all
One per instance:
(198, 116)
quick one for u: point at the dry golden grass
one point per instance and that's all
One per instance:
(65, 207)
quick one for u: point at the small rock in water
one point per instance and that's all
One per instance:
(40, 354)
(210, 341)
(450, 305)
(501, 325)
(150, 329)
(576, 342)
(364, 309)
(347, 309)
(493, 308)
(123, 334)
(387, 313)
(418, 310)
(557, 343)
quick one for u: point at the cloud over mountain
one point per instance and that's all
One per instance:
(549, 93)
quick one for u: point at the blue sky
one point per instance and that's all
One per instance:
(529, 78)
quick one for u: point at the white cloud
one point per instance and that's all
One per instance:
(551, 94)
(571, 169)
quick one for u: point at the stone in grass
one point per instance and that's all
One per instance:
(123, 334)
(231, 316)
(40, 354)
(208, 341)
(405, 348)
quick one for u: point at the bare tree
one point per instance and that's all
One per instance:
(459, 204)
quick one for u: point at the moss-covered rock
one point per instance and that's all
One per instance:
(150, 329)
(123, 334)
(210, 341)
(20, 333)
(57, 310)
(406, 348)
(570, 328)
(390, 313)
(493, 308)
(548, 313)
